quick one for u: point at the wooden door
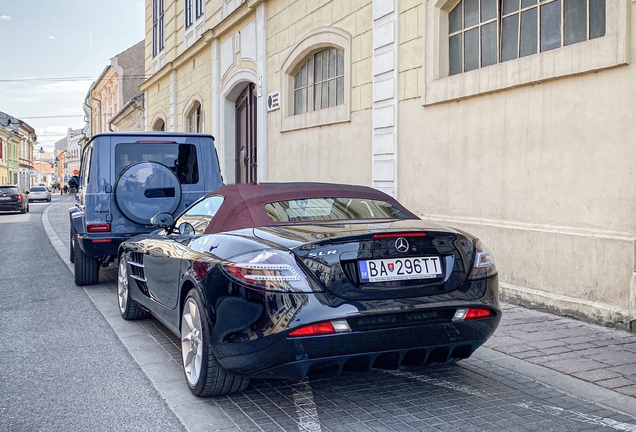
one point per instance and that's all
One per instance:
(246, 161)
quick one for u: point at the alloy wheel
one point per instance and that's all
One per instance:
(122, 286)
(191, 341)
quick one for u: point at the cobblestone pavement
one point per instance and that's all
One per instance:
(593, 353)
(475, 394)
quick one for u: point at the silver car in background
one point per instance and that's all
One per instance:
(39, 193)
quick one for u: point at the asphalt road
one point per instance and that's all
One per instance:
(62, 367)
(69, 362)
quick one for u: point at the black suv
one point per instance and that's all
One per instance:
(124, 179)
(13, 198)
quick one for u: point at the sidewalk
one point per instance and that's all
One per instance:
(601, 356)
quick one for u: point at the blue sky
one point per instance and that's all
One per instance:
(46, 44)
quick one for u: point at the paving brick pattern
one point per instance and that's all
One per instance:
(593, 353)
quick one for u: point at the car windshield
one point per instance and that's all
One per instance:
(8, 189)
(315, 209)
(38, 189)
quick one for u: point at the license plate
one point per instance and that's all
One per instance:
(382, 270)
(5, 198)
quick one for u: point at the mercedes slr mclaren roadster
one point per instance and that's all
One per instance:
(282, 280)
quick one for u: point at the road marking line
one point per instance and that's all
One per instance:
(305, 407)
(577, 416)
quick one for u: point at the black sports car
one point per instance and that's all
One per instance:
(279, 280)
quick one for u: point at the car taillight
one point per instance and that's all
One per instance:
(97, 228)
(270, 270)
(322, 328)
(484, 264)
(20, 197)
(472, 314)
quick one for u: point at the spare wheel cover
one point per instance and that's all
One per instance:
(146, 188)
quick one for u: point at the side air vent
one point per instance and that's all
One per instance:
(137, 271)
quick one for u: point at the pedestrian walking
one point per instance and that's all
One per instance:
(65, 189)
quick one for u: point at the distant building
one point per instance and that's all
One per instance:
(131, 116)
(17, 139)
(72, 154)
(109, 96)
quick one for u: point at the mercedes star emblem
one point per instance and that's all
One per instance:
(401, 245)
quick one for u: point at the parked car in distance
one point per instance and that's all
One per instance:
(13, 198)
(279, 280)
(124, 179)
(39, 193)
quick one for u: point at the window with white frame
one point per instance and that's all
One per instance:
(485, 32)
(320, 81)
(158, 26)
(189, 12)
(194, 119)
(200, 5)
(316, 80)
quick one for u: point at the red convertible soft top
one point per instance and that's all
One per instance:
(244, 205)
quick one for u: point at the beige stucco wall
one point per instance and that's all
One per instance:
(194, 83)
(129, 119)
(338, 152)
(544, 173)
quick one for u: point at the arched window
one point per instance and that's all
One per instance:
(316, 80)
(159, 125)
(195, 119)
(320, 81)
(484, 32)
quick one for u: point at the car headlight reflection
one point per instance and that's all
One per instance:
(271, 270)
(484, 264)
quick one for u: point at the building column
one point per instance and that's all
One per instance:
(385, 96)
(261, 113)
(173, 102)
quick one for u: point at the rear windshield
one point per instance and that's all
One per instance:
(180, 158)
(9, 189)
(38, 189)
(316, 209)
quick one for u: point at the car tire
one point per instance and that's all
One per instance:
(71, 250)
(203, 373)
(86, 267)
(48, 200)
(24, 209)
(128, 308)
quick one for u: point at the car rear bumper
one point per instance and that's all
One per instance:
(14, 206)
(294, 358)
(415, 332)
(100, 246)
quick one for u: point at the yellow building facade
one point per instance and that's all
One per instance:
(525, 142)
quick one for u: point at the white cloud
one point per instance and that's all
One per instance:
(5, 17)
(51, 37)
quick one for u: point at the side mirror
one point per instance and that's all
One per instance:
(186, 228)
(73, 182)
(162, 220)
(27, 192)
